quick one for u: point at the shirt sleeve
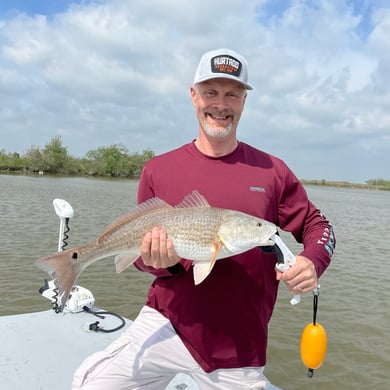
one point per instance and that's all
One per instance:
(298, 215)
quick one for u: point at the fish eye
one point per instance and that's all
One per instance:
(259, 224)
(74, 255)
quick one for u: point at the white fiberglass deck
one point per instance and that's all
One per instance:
(41, 351)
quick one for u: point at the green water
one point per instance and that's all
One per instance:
(354, 301)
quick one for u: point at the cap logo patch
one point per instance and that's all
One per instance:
(226, 64)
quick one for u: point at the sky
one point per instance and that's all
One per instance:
(105, 72)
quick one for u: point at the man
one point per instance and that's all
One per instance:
(216, 332)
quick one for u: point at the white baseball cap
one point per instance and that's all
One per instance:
(223, 63)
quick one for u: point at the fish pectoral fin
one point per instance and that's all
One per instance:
(201, 271)
(217, 248)
(124, 260)
(203, 268)
(228, 245)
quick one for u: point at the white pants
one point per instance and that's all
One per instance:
(149, 354)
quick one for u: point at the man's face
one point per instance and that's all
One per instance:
(218, 104)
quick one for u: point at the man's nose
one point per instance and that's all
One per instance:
(220, 103)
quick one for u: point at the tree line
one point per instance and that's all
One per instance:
(371, 184)
(381, 184)
(114, 160)
(53, 158)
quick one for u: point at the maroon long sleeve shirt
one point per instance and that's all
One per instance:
(224, 320)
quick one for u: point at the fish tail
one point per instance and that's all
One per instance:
(63, 269)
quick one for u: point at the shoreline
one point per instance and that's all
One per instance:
(312, 182)
(344, 184)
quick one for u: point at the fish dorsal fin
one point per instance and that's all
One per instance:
(194, 199)
(143, 208)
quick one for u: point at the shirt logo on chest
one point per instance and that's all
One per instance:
(256, 189)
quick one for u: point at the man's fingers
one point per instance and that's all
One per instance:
(145, 248)
(157, 249)
(301, 277)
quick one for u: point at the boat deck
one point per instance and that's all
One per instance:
(42, 350)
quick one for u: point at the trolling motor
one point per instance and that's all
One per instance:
(80, 297)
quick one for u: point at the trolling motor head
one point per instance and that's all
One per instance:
(65, 211)
(62, 208)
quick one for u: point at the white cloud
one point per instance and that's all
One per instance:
(112, 71)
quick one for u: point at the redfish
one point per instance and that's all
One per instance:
(199, 232)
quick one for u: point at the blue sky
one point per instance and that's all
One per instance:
(108, 72)
(43, 7)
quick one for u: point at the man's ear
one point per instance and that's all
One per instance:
(193, 94)
(243, 102)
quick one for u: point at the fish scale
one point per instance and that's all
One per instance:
(191, 233)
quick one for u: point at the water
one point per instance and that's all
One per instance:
(354, 301)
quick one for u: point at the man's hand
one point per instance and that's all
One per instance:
(301, 277)
(157, 249)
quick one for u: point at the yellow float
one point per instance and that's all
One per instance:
(313, 347)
